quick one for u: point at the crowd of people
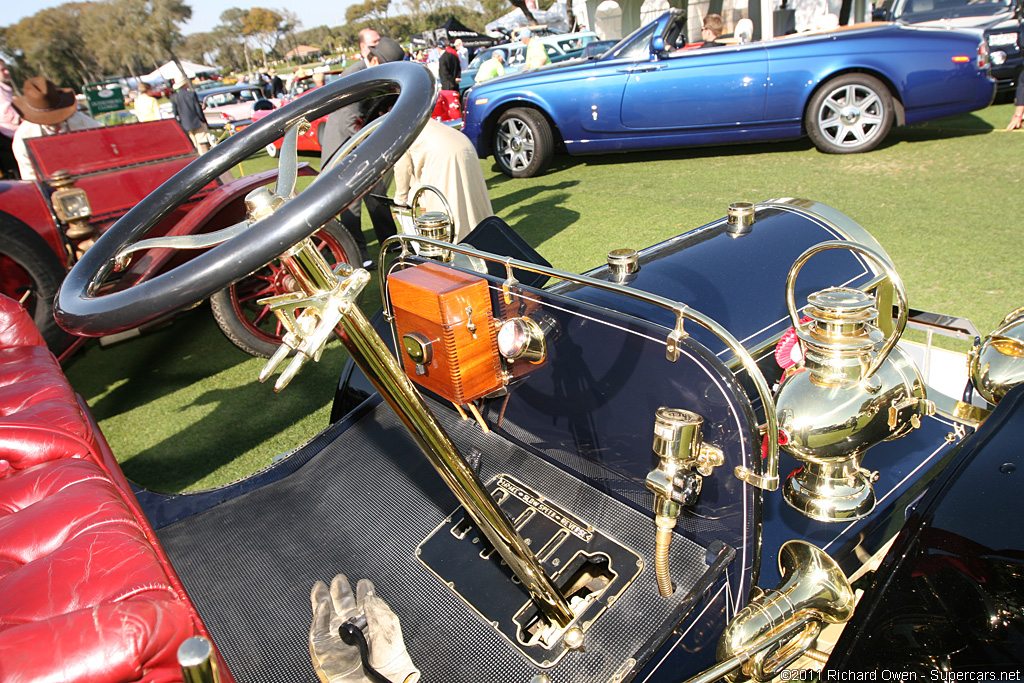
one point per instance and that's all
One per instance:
(440, 156)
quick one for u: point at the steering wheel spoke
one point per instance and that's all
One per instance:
(202, 241)
(288, 164)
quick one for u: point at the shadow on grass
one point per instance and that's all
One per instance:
(535, 211)
(962, 125)
(191, 352)
(242, 419)
(162, 360)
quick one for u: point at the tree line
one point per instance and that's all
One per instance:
(85, 42)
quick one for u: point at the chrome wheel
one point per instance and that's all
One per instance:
(523, 144)
(852, 113)
(516, 145)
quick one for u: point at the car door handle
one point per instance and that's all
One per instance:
(643, 68)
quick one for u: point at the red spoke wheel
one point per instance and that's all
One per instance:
(254, 328)
(30, 272)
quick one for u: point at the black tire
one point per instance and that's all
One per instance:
(255, 329)
(30, 269)
(523, 144)
(849, 114)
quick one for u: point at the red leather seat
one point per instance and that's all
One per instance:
(41, 418)
(84, 594)
(86, 591)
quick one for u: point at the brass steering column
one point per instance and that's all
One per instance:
(328, 302)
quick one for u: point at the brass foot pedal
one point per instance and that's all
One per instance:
(590, 569)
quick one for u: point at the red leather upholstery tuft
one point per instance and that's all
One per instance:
(40, 416)
(16, 326)
(73, 554)
(88, 646)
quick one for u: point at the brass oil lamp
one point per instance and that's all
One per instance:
(435, 225)
(997, 364)
(853, 389)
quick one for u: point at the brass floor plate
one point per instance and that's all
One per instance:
(461, 558)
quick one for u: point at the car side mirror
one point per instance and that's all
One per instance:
(879, 14)
(657, 45)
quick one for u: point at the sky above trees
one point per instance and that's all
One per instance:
(206, 14)
(85, 41)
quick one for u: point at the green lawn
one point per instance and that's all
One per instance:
(182, 409)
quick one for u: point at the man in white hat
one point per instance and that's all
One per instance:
(186, 108)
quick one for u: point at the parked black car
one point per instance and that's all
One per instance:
(1000, 21)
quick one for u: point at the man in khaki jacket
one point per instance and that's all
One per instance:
(445, 158)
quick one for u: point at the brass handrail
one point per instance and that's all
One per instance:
(769, 480)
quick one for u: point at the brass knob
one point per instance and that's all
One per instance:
(676, 433)
(740, 219)
(622, 263)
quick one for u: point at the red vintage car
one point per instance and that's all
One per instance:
(90, 179)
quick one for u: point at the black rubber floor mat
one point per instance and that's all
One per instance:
(361, 507)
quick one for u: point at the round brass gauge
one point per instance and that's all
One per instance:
(419, 348)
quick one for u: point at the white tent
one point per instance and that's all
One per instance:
(169, 71)
(554, 18)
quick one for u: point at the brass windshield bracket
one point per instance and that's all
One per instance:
(675, 338)
(509, 283)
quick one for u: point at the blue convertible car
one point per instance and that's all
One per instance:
(844, 88)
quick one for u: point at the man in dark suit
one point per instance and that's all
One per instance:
(449, 70)
(342, 125)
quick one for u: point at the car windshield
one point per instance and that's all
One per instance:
(513, 55)
(481, 58)
(636, 45)
(223, 98)
(304, 84)
(571, 43)
(923, 10)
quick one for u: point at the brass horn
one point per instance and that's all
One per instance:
(780, 624)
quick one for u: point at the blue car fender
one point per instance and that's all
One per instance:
(482, 113)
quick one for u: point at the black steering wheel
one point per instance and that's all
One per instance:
(80, 311)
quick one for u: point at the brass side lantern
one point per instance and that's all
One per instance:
(997, 364)
(853, 389)
(71, 204)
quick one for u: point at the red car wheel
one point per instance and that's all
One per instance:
(31, 273)
(253, 327)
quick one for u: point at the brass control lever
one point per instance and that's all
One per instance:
(684, 462)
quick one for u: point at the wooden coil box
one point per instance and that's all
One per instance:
(450, 311)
